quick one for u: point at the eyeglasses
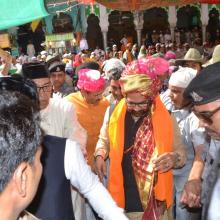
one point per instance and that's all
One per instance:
(206, 116)
(45, 88)
(95, 95)
(140, 104)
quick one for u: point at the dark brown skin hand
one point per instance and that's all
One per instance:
(191, 193)
(100, 167)
(165, 162)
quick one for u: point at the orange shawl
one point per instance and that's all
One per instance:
(163, 134)
(90, 118)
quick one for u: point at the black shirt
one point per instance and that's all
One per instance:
(132, 198)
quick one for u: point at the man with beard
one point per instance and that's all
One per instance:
(204, 92)
(142, 150)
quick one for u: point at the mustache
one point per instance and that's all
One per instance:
(138, 113)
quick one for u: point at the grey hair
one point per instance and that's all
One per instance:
(20, 133)
(113, 69)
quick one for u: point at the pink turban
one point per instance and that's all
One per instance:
(170, 55)
(143, 75)
(90, 80)
(151, 67)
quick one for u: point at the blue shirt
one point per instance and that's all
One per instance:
(192, 135)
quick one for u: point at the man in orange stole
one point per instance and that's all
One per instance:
(143, 149)
(90, 106)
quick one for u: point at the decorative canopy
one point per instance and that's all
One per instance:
(138, 5)
(16, 12)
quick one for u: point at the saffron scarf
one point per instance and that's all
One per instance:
(161, 140)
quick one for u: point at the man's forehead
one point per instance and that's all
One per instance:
(208, 106)
(134, 96)
(115, 82)
(57, 73)
(97, 93)
(175, 88)
(41, 81)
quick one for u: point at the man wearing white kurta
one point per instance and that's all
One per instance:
(58, 118)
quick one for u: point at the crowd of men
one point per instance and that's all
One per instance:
(112, 134)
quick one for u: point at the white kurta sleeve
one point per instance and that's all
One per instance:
(81, 177)
(72, 128)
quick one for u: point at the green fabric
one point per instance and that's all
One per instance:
(59, 37)
(17, 12)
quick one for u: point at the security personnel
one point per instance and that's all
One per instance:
(204, 92)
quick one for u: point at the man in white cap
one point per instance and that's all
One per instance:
(113, 70)
(30, 49)
(43, 55)
(114, 50)
(193, 136)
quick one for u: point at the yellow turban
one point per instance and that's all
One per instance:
(132, 83)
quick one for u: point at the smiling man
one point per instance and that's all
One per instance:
(90, 108)
(204, 92)
(58, 117)
(113, 70)
(193, 137)
(63, 161)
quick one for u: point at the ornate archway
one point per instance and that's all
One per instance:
(62, 23)
(160, 23)
(94, 33)
(25, 34)
(188, 17)
(213, 24)
(121, 23)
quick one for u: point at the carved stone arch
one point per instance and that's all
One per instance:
(155, 19)
(188, 17)
(213, 25)
(62, 23)
(25, 34)
(121, 23)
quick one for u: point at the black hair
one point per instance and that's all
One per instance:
(20, 133)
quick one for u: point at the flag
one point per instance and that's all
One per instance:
(34, 24)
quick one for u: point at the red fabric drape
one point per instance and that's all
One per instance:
(130, 5)
(86, 1)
